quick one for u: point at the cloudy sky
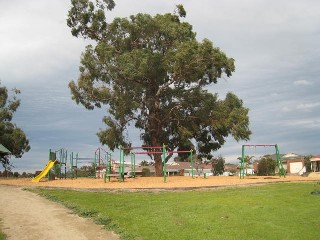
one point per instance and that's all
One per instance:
(275, 45)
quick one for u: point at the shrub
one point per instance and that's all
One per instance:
(146, 172)
(267, 167)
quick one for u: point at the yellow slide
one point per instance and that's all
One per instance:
(44, 172)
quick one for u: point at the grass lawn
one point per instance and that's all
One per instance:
(274, 211)
(2, 235)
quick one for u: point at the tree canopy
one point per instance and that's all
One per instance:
(11, 136)
(152, 73)
(217, 165)
(267, 166)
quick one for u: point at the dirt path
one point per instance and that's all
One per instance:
(25, 215)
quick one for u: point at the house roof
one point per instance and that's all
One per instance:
(291, 156)
(3, 149)
(315, 158)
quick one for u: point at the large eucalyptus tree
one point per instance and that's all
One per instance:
(152, 72)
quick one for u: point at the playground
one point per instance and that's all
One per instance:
(111, 175)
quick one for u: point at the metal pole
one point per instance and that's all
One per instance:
(133, 164)
(279, 162)
(242, 163)
(77, 165)
(71, 162)
(49, 160)
(95, 165)
(164, 167)
(65, 165)
(192, 164)
(120, 163)
(107, 168)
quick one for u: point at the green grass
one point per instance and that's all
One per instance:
(275, 211)
(2, 235)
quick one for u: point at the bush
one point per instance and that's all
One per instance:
(146, 172)
(307, 163)
(267, 167)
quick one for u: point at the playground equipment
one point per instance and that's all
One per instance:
(53, 161)
(99, 163)
(62, 160)
(45, 171)
(281, 170)
(101, 157)
(74, 165)
(63, 155)
(110, 167)
(153, 150)
(103, 166)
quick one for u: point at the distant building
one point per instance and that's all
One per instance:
(291, 162)
(315, 163)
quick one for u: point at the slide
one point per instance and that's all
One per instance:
(44, 172)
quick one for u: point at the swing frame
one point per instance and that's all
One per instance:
(281, 170)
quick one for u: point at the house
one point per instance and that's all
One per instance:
(315, 164)
(291, 162)
(231, 169)
(186, 168)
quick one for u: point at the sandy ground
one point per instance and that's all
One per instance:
(25, 215)
(152, 182)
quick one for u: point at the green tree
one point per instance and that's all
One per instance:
(307, 163)
(152, 73)
(217, 165)
(267, 167)
(11, 136)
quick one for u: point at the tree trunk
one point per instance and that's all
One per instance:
(158, 165)
(157, 156)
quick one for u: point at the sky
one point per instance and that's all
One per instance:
(275, 45)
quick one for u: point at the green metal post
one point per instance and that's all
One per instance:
(65, 166)
(76, 165)
(122, 167)
(107, 169)
(164, 163)
(61, 162)
(279, 162)
(242, 164)
(192, 164)
(71, 163)
(120, 163)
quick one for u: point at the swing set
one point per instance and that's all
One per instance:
(281, 170)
